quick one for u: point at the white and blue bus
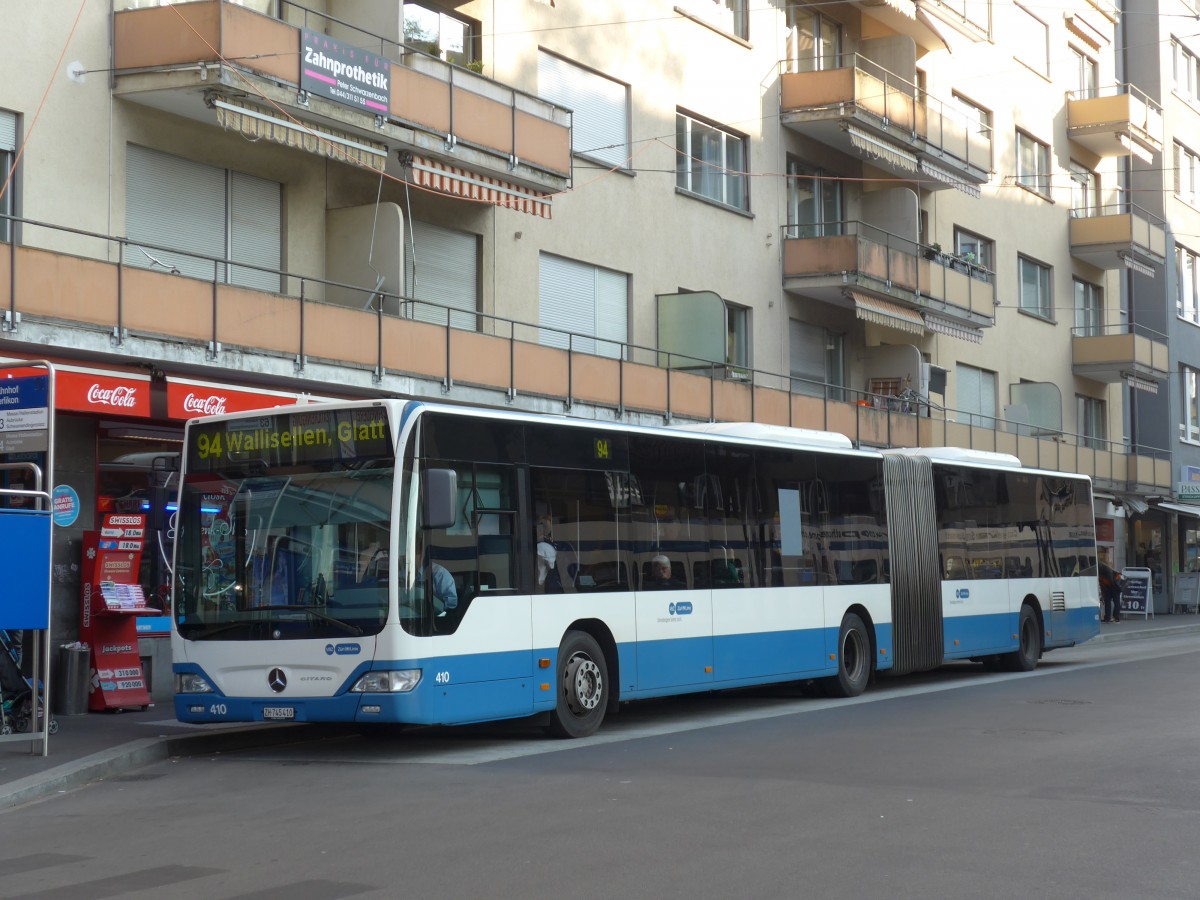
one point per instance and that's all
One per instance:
(406, 562)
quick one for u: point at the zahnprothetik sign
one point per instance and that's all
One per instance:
(344, 73)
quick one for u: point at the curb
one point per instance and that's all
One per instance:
(1142, 634)
(144, 752)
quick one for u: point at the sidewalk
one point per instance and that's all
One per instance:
(104, 745)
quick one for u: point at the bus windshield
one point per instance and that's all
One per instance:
(283, 527)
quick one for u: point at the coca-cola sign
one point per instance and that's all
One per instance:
(210, 405)
(122, 397)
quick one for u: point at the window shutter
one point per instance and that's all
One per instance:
(254, 230)
(173, 202)
(445, 271)
(600, 125)
(8, 131)
(566, 301)
(1178, 162)
(612, 312)
(806, 350)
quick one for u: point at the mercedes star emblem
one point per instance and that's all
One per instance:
(277, 680)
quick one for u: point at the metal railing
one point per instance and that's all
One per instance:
(873, 414)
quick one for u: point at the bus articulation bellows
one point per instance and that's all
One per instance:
(387, 561)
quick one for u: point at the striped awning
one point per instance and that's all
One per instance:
(953, 329)
(256, 123)
(949, 178)
(447, 179)
(880, 149)
(886, 313)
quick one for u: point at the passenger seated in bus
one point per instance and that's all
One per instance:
(548, 579)
(661, 575)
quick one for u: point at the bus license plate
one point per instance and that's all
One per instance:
(279, 712)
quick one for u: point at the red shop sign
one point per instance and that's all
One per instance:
(113, 395)
(186, 400)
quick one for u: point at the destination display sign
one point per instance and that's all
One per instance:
(309, 436)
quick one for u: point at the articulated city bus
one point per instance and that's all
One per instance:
(406, 562)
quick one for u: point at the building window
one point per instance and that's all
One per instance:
(737, 335)
(213, 214)
(1089, 309)
(600, 123)
(814, 41)
(440, 34)
(1187, 174)
(711, 162)
(1033, 47)
(1085, 191)
(1086, 75)
(817, 358)
(1185, 70)
(975, 249)
(1035, 288)
(976, 395)
(978, 124)
(1191, 404)
(1033, 164)
(1187, 273)
(1089, 421)
(582, 306)
(814, 201)
(8, 182)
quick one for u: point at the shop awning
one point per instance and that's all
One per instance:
(257, 123)
(1184, 509)
(881, 149)
(953, 329)
(187, 399)
(886, 313)
(447, 179)
(949, 178)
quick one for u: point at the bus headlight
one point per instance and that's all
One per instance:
(191, 683)
(397, 681)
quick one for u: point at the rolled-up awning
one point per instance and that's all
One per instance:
(881, 149)
(953, 329)
(886, 313)
(955, 181)
(256, 123)
(447, 179)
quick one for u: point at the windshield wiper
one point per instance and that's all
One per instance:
(313, 611)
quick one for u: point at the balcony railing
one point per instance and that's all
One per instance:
(824, 259)
(1119, 235)
(906, 128)
(1112, 354)
(98, 301)
(197, 41)
(1116, 120)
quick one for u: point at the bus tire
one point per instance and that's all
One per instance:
(854, 660)
(1029, 643)
(582, 685)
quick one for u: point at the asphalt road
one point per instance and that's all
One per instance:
(1078, 781)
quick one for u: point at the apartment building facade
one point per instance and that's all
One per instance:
(906, 221)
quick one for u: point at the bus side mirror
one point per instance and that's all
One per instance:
(440, 498)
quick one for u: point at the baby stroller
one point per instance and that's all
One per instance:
(16, 691)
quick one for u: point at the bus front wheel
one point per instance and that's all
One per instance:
(1029, 643)
(582, 684)
(854, 660)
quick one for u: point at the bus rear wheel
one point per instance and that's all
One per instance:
(854, 660)
(1029, 643)
(582, 684)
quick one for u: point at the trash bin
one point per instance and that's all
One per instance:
(74, 680)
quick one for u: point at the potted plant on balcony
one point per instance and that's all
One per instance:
(933, 251)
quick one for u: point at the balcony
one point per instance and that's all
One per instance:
(1136, 357)
(1119, 120)
(1118, 237)
(933, 23)
(840, 262)
(71, 306)
(198, 58)
(865, 111)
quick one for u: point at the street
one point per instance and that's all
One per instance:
(1076, 781)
